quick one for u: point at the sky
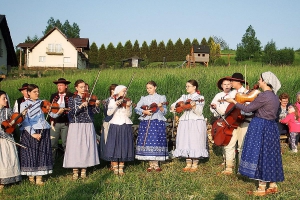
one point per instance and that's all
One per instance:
(114, 21)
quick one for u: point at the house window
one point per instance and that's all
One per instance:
(58, 48)
(203, 55)
(42, 59)
(67, 59)
(51, 47)
(198, 54)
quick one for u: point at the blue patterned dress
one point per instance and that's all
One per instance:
(261, 155)
(151, 140)
(36, 159)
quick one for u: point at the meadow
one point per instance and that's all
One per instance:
(171, 183)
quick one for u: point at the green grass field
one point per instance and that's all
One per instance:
(171, 183)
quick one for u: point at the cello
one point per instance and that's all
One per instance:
(222, 128)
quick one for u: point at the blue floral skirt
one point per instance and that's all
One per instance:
(152, 143)
(261, 155)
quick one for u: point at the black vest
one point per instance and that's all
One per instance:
(19, 101)
(63, 118)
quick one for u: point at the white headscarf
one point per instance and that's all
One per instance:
(119, 88)
(271, 79)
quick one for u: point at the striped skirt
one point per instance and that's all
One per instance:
(36, 159)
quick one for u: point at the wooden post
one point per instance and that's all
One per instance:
(20, 64)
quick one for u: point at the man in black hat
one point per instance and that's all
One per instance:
(238, 134)
(20, 100)
(59, 120)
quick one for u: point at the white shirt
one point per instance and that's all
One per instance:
(221, 106)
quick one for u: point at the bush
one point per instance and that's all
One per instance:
(220, 62)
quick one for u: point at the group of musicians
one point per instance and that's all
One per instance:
(257, 134)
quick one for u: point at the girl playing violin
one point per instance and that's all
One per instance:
(119, 144)
(9, 161)
(36, 159)
(151, 140)
(191, 139)
(81, 149)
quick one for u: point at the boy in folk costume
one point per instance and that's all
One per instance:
(238, 134)
(218, 105)
(60, 120)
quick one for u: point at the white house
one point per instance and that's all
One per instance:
(56, 50)
(8, 56)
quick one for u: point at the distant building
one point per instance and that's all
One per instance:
(8, 56)
(56, 50)
(198, 54)
(133, 61)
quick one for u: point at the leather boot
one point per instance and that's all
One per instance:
(31, 179)
(75, 174)
(39, 180)
(83, 173)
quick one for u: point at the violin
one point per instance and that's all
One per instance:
(222, 128)
(88, 97)
(185, 105)
(47, 107)
(16, 118)
(153, 107)
(122, 99)
(249, 97)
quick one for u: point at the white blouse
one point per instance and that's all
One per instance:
(192, 114)
(120, 114)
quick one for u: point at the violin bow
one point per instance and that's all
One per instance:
(6, 138)
(94, 85)
(221, 116)
(132, 77)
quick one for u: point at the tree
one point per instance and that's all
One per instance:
(170, 51)
(145, 51)
(34, 39)
(136, 49)
(195, 42)
(222, 42)
(128, 49)
(203, 41)
(70, 31)
(153, 51)
(119, 52)
(250, 45)
(269, 52)
(161, 51)
(187, 46)
(102, 54)
(179, 54)
(110, 53)
(213, 49)
(93, 55)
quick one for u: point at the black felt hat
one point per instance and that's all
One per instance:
(62, 80)
(24, 87)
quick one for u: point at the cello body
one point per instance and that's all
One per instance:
(222, 128)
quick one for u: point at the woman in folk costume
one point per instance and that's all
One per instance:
(191, 139)
(36, 159)
(9, 161)
(105, 124)
(119, 144)
(81, 149)
(261, 155)
(151, 140)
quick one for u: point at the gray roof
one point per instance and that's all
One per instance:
(11, 54)
(201, 49)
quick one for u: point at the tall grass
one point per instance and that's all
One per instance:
(171, 183)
